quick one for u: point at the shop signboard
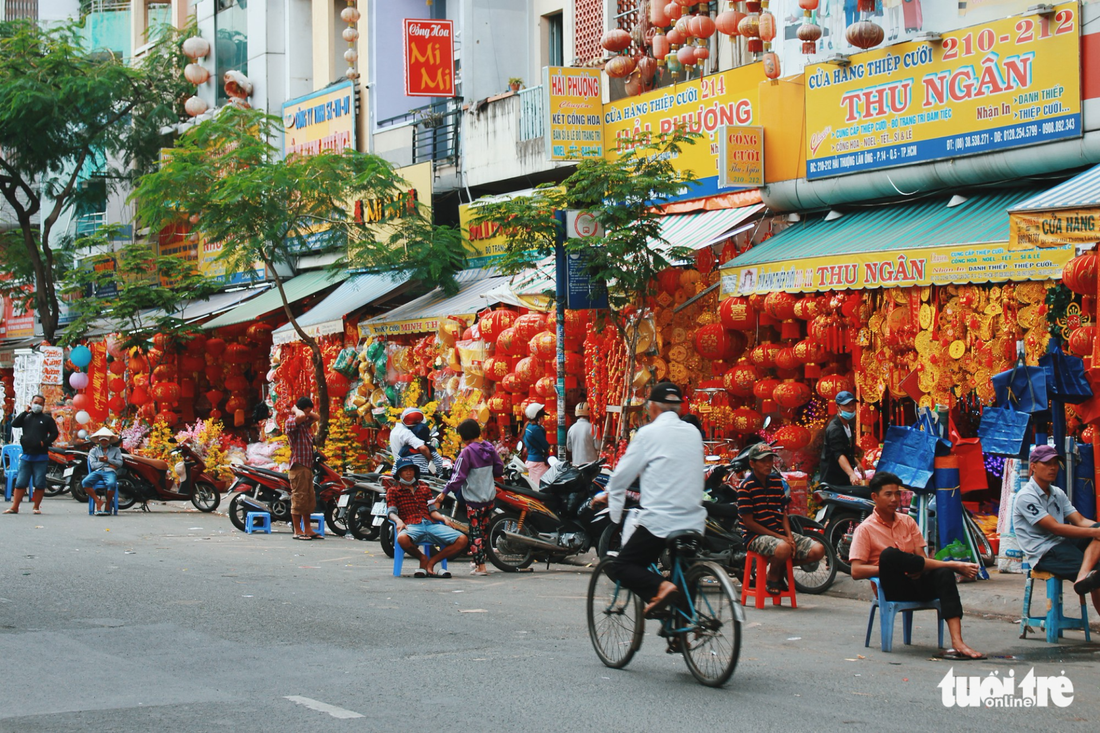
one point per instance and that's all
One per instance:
(53, 364)
(14, 323)
(323, 121)
(429, 58)
(485, 241)
(953, 265)
(741, 156)
(702, 105)
(416, 194)
(574, 113)
(580, 291)
(213, 267)
(1054, 228)
(1004, 84)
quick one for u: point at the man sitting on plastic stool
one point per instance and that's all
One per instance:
(104, 460)
(1054, 535)
(889, 546)
(407, 502)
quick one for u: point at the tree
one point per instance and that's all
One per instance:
(63, 108)
(137, 289)
(623, 196)
(231, 183)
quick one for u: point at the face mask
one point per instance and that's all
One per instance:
(36, 408)
(847, 415)
(405, 482)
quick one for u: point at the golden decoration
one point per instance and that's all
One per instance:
(985, 328)
(706, 318)
(995, 293)
(925, 293)
(664, 317)
(875, 322)
(926, 380)
(1030, 292)
(927, 401)
(993, 309)
(661, 367)
(925, 316)
(1027, 316)
(679, 335)
(957, 349)
(678, 373)
(678, 353)
(923, 342)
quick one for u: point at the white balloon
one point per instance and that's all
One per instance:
(82, 434)
(82, 417)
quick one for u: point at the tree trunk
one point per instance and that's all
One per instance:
(628, 379)
(317, 359)
(44, 293)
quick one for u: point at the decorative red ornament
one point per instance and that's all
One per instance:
(832, 385)
(786, 359)
(727, 21)
(764, 354)
(576, 324)
(526, 326)
(764, 389)
(511, 383)
(737, 314)
(790, 395)
(164, 373)
(507, 344)
(668, 280)
(116, 385)
(215, 397)
(658, 17)
(766, 27)
(789, 330)
(500, 404)
(192, 363)
(673, 10)
(238, 383)
(746, 420)
(660, 46)
(233, 404)
(702, 26)
(544, 345)
(116, 404)
(81, 401)
(793, 437)
(139, 396)
(620, 66)
(259, 333)
(686, 55)
(574, 364)
(495, 368)
(715, 343)
(117, 367)
(809, 34)
(167, 417)
(138, 363)
(546, 387)
(338, 385)
(805, 308)
(215, 347)
(196, 345)
(780, 305)
(1080, 341)
(162, 341)
(238, 354)
(528, 371)
(864, 34)
(166, 392)
(741, 379)
(808, 4)
(1079, 274)
(808, 352)
(616, 40)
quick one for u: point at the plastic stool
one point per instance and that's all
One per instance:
(257, 521)
(91, 502)
(890, 610)
(755, 579)
(399, 554)
(320, 519)
(1055, 622)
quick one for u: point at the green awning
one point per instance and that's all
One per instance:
(296, 288)
(925, 242)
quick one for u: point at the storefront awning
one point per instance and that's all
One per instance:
(925, 242)
(1069, 213)
(425, 313)
(705, 228)
(327, 317)
(296, 288)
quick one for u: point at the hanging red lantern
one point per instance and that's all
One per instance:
(546, 387)
(495, 369)
(686, 55)
(162, 341)
(658, 18)
(117, 367)
(215, 347)
(259, 333)
(715, 343)
(660, 46)
(789, 330)
(727, 21)
(1080, 340)
(764, 354)
(167, 417)
(139, 396)
(793, 437)
(511, 383)
(493, 323)
(790, 395)
(544, 345)
(780, 305)
(805, 308)
(574, 363)
(196, 344)
(238, 354)
(81, 401)
(116, 384)
(528, 371)
(864, 34)
(1079, 274)
(507, 343)
(527, 325)
(786, 359)
(741, 379)
(193, 363)
(138, 363)
(765, 388)
(164, 373)
(233, 404)
(500, 404)
(808, 352)
(746, 420)
(213, 373)
(702, 26)
(215, 397)
(166, 392)
(766, 27)
(673, 10)
(737, 314)
(616, 40)
(833, 384)
(620, 66)
(668, 280)
(809, 34)
(576, 324)
(236, 383)
(116, 404)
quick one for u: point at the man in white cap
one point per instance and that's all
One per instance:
(409, 439)
(104, 461)
(580, 448)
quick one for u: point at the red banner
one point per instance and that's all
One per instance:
(429, 58)
(97, 382)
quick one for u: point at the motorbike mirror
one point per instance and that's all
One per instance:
(767, 422)
(519, 446)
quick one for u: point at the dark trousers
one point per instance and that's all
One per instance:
(893, 565)
(631, 567)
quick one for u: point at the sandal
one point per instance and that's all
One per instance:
(444, 574)
(37, 511)
(773, 589)
(420, 573)
(303, 537)
(956, 655)
(11, 511)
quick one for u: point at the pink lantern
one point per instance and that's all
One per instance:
(702, 26)
(701, 54)
(616, 40)
(660, 45)
(673, 11)
(686, 55)
(78, 380)
(675, 37)
(727, 21)
(658, 17)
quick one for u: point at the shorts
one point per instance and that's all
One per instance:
(429, 533)
(765, 545)
(1064, 559)
(302, 499)
(31, 474)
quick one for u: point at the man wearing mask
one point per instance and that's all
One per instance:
(39, 433)
(838, 451)
(580, 447)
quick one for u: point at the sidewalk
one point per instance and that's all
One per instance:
(1000, 597)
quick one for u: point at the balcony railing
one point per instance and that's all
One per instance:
(531, 114)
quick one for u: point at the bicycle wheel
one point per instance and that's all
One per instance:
(713, 644)
(816, 577)
(615, 622)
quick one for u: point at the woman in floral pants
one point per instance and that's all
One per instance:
(475, 471)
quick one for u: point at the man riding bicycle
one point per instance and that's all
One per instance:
(668, 456)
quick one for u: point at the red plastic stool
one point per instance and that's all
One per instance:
(755, 580)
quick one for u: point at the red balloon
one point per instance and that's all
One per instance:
(81, 401)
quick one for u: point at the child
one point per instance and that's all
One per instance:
(474, 472)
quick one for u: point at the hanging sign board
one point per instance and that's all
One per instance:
(741, 157)
(53, 364)
(574, 113)
(1054, 228)
(429, 58)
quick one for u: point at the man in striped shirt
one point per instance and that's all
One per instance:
(762, 509)
(302, 498)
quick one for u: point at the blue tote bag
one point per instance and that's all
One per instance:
(1003, 430)
(909, 452)
(1022, 387)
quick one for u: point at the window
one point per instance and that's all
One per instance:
(231, 44)
(555, 40)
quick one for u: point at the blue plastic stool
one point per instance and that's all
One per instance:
(9, 462)
(1055, 622)
(890, 609)
(91, 501)
(320, 520)
(399, 553)
(257, 521)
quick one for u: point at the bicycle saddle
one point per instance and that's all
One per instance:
(685, 542)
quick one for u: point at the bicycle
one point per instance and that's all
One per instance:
(704, 625)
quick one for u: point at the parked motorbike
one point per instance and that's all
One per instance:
(359, 505)
(263, 490)
(147, 479)
(552, 523)
(58, 473)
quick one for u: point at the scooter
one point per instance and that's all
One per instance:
(58, 473)
(263, 490)
(147, 479)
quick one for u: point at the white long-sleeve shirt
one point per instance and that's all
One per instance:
(668, 456)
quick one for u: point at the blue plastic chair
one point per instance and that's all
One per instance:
(399, 552)
(9, 460)
(91, 500)
(1054, 622)
(890, 609)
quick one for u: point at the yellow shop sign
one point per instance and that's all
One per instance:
(1054, 228)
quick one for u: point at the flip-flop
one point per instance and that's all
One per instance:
(37, 511)
(1087, 584)
(421, 573)
(773, 589)
(316, 536)
(444, 574)
(10, 511)
(302, 537)
(655, 610)
(956, 655)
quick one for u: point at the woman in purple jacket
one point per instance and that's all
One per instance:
(475, 471)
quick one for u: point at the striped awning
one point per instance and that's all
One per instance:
(1063, 216)
(295, 289)
(327, 317)
(425, 313)
(705, 228)
(1081, 191)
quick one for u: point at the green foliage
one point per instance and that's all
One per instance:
(63, 108)
(150, 288)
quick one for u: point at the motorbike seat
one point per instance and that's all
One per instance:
(721, 509)
(151, 462)
(529, 492)
(684, 542)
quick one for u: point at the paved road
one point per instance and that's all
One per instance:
(176, 621)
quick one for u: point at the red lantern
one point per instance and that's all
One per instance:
(574, 363)
(780, 305)
(166, 392)
(717, 344)
(81, 401)
(727, 22)
(1079, 274)
(239, 383)
(832, 385)
(234, 404)
(576, 324)
(500, 404)
(764, 354)
(793, 437)
(737, 314)
(162, 341)
(528, 371)
(746, 420)
(789, 330)
(668, 280)
(507, 343)
(673, 10)
(116, 404)
(702, 26)
(526, 326)
(766, 27)
(215, 397)
(808, 352)
(117, 367)
(765, 388)
(546, 387)
(660, 45)
(620, 66)
(138, 363)
(238, 354)
(116, 385)
(139, 396)
(196, 345)
(1080, 341)
(786, 359)
(616, 40)
(164, 373)
(864, 34)
(805, 308)
(741, 379)
(492, 324)
(167, 417)
(511, 383)
(215, 347)
(193, 363)
(544, 345)
(495, 368)
(259, 333)
(791, 394)
(213, 373)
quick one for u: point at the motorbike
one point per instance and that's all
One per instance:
(58, 473)
(553, 523)
(258, 489)
(357, 505)
(144, 479)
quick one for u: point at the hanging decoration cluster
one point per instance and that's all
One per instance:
(196, 48)
(351, 15)
(865, 33)
(809, 33)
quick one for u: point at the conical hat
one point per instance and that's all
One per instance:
(103, 432)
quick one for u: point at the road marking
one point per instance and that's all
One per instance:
(324, 707)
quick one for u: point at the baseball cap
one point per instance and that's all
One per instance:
(761, 451)
(845, 398)
(582, 410)
(666, 393)
(1043, 454)
(533, 410)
